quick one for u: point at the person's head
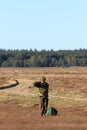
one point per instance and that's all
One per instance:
(43, 78)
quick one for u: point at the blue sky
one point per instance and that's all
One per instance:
(43, 24)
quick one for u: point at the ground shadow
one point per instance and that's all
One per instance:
(9, 86)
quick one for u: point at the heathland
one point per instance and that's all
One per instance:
(19, 100)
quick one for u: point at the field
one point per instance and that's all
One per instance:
(19, 108)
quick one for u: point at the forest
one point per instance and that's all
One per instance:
(43, 58)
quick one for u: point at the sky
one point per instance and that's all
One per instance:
(43, 24)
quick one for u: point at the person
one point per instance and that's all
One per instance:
(43, 88)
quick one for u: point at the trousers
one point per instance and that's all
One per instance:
(43, 104)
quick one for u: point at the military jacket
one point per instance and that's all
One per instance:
(43, 88)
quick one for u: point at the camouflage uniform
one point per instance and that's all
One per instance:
(43, 95)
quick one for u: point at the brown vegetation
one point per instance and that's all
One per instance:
(68, 94)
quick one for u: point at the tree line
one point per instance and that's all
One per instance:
(43, 58)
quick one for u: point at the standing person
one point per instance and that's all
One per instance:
(43, 87)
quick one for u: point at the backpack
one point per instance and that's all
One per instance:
(51, 111)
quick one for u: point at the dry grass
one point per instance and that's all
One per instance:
(67, 85)
(68, 92)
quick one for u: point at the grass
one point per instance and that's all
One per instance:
(68, 92)
(60, 99)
